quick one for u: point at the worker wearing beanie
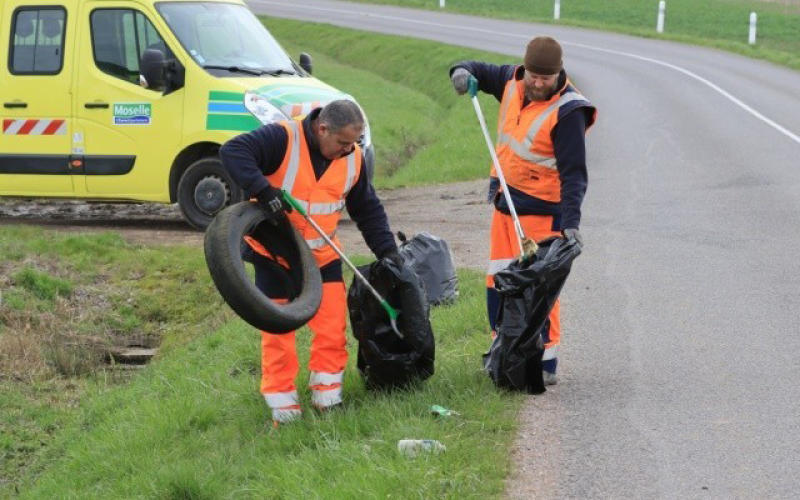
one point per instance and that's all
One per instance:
(319, 163)
(540, 145)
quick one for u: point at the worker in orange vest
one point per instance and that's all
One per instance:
(318, 161)
(540, 145)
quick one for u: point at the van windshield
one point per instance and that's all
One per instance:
(226, 38)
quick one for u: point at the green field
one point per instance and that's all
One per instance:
(716, 23)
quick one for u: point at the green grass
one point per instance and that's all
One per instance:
(423, 132)
(716, 23)
(193, 426)
(64, 299)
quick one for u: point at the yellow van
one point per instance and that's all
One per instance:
(131, 99)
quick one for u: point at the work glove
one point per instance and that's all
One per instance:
(572, 233)
(395, 258)
(460, 79)
(271, 201)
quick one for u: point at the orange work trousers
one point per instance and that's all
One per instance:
(279, 364)
(504, 248)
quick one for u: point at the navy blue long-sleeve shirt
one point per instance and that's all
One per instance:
(568, 144)
(250, 157)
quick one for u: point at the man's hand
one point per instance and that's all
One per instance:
(395, 258)
(572, 233)
(460, 79)
(271, 200)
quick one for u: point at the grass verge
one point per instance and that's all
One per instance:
(67, 301)
(423, 132)
(715, 23)
(193, 426)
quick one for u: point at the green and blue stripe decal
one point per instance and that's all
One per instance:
(226, 111)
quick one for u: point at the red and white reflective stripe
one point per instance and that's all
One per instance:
(322, 378)
(34, 127)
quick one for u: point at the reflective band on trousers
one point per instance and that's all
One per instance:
(322, 378)
(294, 158)
(523, 149)
(281, 399)
(327, 398)
(498, 265)
(319, 242)
(550, 353)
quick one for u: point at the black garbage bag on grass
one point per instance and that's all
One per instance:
(527, 290)
(431, 259)
(385, 360)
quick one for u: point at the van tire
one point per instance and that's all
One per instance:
(223, 252)
(204, 189)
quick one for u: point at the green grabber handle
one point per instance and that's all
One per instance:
(391, 311)
(294, 203)
(472, 86)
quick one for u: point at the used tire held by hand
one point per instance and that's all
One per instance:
(223, 250)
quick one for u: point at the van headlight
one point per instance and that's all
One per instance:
(262, 108)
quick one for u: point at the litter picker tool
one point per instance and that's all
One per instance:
(392, 312)
(527, 247)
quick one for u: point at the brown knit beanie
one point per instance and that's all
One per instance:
(543, 56)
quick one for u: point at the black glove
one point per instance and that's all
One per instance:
(395, 258)
(460, 79)
(572, 233)
(271, 200)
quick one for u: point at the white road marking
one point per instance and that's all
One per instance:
(783, 130)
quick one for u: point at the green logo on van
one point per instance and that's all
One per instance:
(132, 113)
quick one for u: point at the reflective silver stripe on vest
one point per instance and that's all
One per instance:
(317, 243)
(294, 158)
(326, 208)
(523, 149)
(351, 173)
(504, 104)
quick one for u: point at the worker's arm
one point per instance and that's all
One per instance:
(367, 212)
(249, 157)
(491, 78)
(570, 152)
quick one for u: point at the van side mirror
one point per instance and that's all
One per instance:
(305, 62)
(157, 73)
(151, 68)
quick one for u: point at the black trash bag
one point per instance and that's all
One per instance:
(385, 360)
(528, 290)
(429, 256)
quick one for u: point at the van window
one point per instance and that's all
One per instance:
(37, 46)
(119, 38)
(224, 35)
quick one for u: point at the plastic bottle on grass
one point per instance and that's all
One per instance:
(413, 447)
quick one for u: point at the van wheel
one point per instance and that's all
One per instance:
(206, 188)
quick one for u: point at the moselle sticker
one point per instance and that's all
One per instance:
(132, 113)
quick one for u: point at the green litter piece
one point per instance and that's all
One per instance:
(441, 411)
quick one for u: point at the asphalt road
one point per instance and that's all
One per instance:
(681, 361)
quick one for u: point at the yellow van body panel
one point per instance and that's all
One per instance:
(109, 138)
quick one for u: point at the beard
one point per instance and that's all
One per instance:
(541, 94)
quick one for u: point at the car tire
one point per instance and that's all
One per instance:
(223, 250)
(204, 189)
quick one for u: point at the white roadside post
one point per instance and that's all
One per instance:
(662, 6)
(557, 10)
(751, 39)
(441, 4)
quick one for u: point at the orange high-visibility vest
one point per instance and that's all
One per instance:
(524, 142)
(322, 199)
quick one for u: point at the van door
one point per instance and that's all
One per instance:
(130, 134)
(35, 80)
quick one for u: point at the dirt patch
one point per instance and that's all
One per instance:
(455, 212)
